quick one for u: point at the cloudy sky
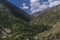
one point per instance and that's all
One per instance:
(32, 6)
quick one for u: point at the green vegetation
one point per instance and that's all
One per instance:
(20, 29)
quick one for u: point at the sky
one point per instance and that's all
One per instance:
(32, 6)
(22, 4)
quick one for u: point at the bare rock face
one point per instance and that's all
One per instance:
(7, 30)
(4, 32)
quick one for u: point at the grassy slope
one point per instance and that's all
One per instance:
(50, 16)
(52, 34)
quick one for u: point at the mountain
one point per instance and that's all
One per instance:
(8, 20)
(46, 26)
(14, 28)
(52, 34)
(50, 16)
(16, 11)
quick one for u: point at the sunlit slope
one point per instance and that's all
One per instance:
(52, 34)
(49, 16)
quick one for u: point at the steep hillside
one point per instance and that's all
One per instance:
(14, 28)
(16, 11)
(50, 16)
(52, 34)
(9, 21)
(6, 16)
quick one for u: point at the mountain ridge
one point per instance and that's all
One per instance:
(16, 11)
(36, 14)
(51, 13)
(49, 17)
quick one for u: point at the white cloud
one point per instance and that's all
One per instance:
(51, 1)
(52, 4)
(33, 0)
(24, 6)
(36, 5)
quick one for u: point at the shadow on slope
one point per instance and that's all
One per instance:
(17, 12)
